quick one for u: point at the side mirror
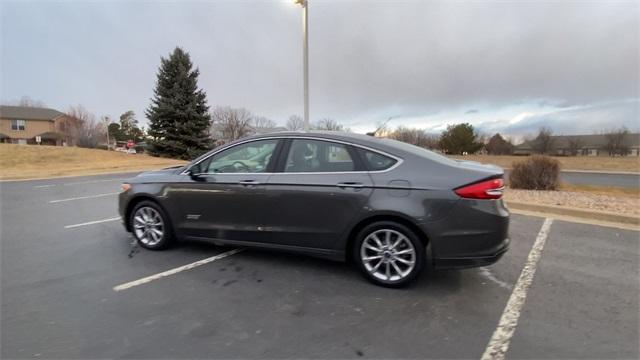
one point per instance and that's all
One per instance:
(195, 170)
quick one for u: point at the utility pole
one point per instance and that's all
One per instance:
(106, 122)
(305, 57)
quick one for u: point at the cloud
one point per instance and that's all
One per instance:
(427, 62)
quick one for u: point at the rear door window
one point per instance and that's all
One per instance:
(375, 161)
(307, 155)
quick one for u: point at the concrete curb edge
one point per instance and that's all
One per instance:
(575, 212)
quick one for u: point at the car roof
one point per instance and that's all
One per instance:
(390, 146)
(359, 139)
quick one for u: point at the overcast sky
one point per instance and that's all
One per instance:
(508, 66)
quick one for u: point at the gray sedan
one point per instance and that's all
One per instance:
(390, 207)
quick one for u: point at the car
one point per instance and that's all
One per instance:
(392, 208)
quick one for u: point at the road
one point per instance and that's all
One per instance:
(64, 251)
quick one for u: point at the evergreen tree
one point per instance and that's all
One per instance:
(178, 116)
(129, 127)
(459, 139)
(497, 145)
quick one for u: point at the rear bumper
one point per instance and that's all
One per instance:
(475, 233)
(472, 261)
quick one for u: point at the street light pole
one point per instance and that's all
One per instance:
(305, 58)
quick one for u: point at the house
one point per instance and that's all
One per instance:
(583, 145)
(27, 125)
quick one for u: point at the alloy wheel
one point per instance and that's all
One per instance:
(148, 226)
(388, 255)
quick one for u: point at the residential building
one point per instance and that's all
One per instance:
(26, 125)
(583, 145)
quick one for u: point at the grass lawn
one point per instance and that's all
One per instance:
(599, 163)
(33, 161)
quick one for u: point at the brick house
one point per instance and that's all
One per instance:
(583, 145)
(22, 125)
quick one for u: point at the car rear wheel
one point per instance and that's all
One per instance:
(389, 254)
(150, 226)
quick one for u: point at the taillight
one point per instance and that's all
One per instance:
(488, 189)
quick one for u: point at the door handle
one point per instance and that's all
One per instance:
(249, 182)
(350, 185)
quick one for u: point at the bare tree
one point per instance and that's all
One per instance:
(615, 142)
(295, 123)
(25, 101)
(415, 136)
(85, 130)
(328, 124)
(230, 124)
(544, 141)
(262, 122)
(575, 144)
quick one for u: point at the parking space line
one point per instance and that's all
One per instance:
(78, 183)
(92, 222)
(499, 343)
(92, 181)
(175, 270)
(82, 197)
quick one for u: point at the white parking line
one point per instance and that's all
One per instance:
(78, 183)
(175, 270)
(499, 343)
(92, 181)
(83, 197)
(92, 222)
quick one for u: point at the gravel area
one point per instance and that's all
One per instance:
(598, 202)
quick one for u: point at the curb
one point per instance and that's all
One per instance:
(575, 212)
(600, 172)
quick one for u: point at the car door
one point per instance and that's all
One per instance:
(226, 198)
(316, 192)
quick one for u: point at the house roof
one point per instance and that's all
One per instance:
(28, 113)
(585, 141)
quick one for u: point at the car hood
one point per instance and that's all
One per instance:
(157, 175)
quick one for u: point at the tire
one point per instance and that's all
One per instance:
(150, 226)
(389, 254)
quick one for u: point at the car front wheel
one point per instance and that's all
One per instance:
(389, 254)
(150, 226)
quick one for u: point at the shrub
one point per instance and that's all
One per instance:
(535, 173)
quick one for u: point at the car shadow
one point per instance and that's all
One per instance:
(267, 264)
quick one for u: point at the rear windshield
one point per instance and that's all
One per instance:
(419, 151)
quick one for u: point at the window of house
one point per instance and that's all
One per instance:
(18, 125)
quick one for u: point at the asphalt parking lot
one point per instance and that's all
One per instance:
(63, 251)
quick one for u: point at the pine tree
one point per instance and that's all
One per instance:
(178, 116)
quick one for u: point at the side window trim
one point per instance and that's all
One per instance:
(284, 142)
(276, 157)
(282, 156)
(358, 164)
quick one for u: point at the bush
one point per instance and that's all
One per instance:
(535, 173)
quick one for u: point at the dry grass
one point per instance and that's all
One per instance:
(31, 161)
(598, 163)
